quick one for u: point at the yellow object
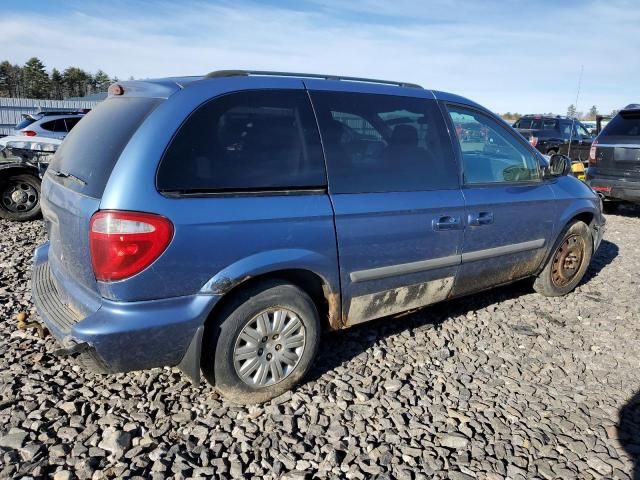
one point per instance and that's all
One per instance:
(578, 170)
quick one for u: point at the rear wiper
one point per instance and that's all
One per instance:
(61, 174)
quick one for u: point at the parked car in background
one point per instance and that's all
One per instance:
(48, 124)
(591, 126)
(556, 135)
(23, 161)
(223, 221)
(614, 162)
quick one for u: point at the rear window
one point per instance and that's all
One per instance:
(246, 141)
(24, 123)
(91, 149)
(623, 125)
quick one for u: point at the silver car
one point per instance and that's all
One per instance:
(48, 124)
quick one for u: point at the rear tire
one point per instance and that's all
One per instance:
(568, 263)
(19, 197)
(552, 152)
(264, 343)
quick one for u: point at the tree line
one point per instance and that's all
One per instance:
(32, 80)
(572, 112)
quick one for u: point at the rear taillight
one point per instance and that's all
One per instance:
(533, 141)
(123, 244)
(593, 152)
(29, 133)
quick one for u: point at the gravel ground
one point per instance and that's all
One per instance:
(501, 384)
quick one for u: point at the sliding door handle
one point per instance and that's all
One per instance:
(480, 218)
(447, 222)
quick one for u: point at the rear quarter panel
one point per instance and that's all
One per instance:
(216, 237)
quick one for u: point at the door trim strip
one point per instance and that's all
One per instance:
(442, 262)
(405, 268)
(503, 250)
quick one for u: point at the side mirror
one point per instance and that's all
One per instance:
(559, 165)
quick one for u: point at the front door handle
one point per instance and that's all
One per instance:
(480, 218)
(447, 222)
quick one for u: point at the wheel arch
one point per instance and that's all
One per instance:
(18, 169)
(314, 273)
(320, 291)
(326, 300)
(586, 215)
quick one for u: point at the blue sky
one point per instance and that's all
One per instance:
(514, 55)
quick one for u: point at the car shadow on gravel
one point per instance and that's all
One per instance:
(629, 432)
(347, 344)
(603, 257)
(630, 210)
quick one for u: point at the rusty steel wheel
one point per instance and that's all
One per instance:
(19, 197)
(567, 261)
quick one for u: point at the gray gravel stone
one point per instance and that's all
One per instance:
(454, 440)
(62, 475)
(115, 441)
(13, 440)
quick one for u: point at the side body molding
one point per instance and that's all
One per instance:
(435, 263)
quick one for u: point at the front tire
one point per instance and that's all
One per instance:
(568, 263)
(19, 197)
(264, 344)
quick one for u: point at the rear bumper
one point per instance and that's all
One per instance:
(120, 336)
(615, 188)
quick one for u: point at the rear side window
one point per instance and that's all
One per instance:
(246, 141)
(71, 122)
(383, 143)
(549, 124)
(623, 125)
(92, 148)
(57, 126)
(530, 123)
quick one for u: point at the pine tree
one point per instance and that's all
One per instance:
(10, 78)
(76, 81)
(57, 85)
(101, 81)
(35, 78)
(571, 111)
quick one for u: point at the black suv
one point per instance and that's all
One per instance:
(614, 162)
(554, 135)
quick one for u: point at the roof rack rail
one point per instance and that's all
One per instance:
(246, 73)
(632, 106)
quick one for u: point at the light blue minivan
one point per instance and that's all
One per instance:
(220, 223)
